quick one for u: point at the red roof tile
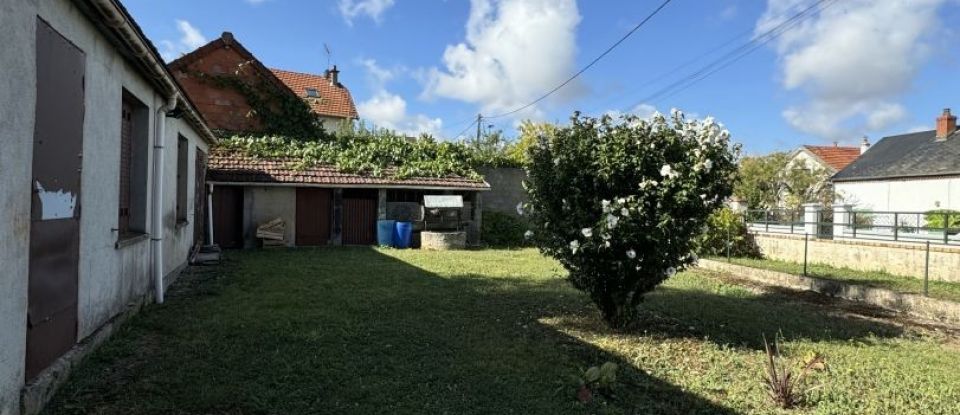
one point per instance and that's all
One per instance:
(334, 100)
(236, 168)
(835, 156)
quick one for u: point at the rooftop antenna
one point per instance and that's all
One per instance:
(329, 53)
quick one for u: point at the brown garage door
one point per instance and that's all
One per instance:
(359, 217)
(228, 216)
(313, 216)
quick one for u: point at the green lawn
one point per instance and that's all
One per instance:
(366, 331)
(938, 289)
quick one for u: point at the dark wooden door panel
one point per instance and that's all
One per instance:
(228, 216)
(199, 198)
(313, 216)
(359, 221)
(55, 203)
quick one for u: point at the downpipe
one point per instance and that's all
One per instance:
(156, 224)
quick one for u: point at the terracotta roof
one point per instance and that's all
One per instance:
(230, 167)
(835, 156)
(334, 100)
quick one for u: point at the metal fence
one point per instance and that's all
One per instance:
(936, 227)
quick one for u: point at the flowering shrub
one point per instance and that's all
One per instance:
(619, 203)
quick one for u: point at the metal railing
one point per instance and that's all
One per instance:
(936, 227)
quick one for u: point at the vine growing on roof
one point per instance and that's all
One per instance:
(378, 152)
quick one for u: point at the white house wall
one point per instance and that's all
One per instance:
(912, 195)
(109, 278)
(16, 137)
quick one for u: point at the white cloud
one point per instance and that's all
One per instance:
(190, 39)
(853, 61)
(256, 2)
(388, 110)
(729, 12)
(514, 51)
(641, 110)
(373, 9)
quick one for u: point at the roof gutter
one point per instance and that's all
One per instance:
(116, 18)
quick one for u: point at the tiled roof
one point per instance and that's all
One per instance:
(835, 156)
(236, 168)
(334, 100)
(918, 154)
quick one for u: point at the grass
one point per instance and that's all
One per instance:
(937, 289)
(366, 331)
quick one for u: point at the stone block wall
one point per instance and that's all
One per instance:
(906, 259)
(506, 189)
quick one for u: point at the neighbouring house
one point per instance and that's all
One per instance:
(912, 172)
(207, 74)
(321, 205)
(102, 194)
(823, 162)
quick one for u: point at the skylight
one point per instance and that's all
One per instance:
(312, 93)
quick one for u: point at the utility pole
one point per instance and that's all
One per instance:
(479, 121)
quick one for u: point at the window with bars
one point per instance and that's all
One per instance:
(133, 171)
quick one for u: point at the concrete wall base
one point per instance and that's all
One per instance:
(442, 241)
(912, 304)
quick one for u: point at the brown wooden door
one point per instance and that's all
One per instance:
(313, 216)
(359, 217)
(228, 216)
(55, 204)
(200, 198)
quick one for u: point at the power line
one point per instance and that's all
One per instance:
(472, 123)
(739, 53)
(585, 68)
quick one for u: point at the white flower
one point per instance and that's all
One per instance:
(612, 221)
(528, 234)
(631, 254)
(707, 165)
(671, 271)
(605, 204)
(666, 170)
(624, 212)
(606, 244)
(574, 245)
(621, 200)
(520, 208)
(587, 232)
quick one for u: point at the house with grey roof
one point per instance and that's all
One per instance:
(913, 172)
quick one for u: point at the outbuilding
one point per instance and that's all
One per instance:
(102, 194)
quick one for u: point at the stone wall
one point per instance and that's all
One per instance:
(506, 189)
(442, 241)
(906, 259)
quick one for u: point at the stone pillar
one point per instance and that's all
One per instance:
(841, 220)
(336, 237)
(811, 218)
(382, 204)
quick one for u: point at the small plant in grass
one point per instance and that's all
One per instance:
(596, 380)
(785, 386)
(619, 202)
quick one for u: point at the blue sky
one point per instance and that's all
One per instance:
(859, 67)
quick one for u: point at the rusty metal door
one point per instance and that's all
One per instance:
(55, 204)
(359, 217)
(313, 216)
(228, 216)
(199, 198)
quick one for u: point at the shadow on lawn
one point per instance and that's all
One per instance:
(352, 330)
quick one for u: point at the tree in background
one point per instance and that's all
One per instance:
(758, 181)
(619, 203)
(530, 132)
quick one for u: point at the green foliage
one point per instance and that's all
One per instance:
(530, 132)
(936, 219)
(280, 112)
(758, 181)
(600, 379)
(373, 151)
(620, 203)
(503, 230)
(786, 387)
(726, 226)
(765, 181)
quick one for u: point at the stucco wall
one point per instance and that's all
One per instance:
(896, 258)
(109, 278)
(915, 195)
(178, 239)
(262, 204)
(506, 189)
(16, 136)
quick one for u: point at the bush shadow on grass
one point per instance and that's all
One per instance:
(353, 330)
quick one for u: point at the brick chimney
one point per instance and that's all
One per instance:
(334, 76)
(864, 145)
(946, 124)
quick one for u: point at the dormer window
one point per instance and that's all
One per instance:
(312, 93)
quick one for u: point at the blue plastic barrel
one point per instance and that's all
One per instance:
(402, 236)
(385, 232)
